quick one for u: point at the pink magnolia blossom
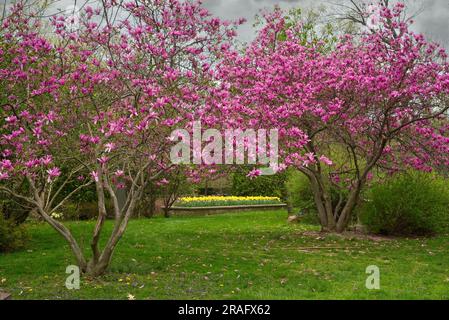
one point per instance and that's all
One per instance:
(326, 160)
(109, 147)
(163, 182)
(119, 173)
(103, 160)
(4, 175)
(46, 160)
(254, 173)
(53, 173)
(94, 175)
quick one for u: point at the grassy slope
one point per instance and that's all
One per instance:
(254, 255)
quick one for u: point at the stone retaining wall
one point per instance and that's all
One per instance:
(223, 209)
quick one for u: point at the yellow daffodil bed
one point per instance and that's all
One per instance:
(215, 201)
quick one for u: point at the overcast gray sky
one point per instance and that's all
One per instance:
(433, 21)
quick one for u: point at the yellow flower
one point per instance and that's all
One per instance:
(228, 198)
(131, 297)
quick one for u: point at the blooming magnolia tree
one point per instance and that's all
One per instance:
(37, 128)
(105, 96)
(375, 102)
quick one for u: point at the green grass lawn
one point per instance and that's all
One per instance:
(251, 255)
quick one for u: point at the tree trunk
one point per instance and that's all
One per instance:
(348, 209)
(151, 207)
(323, 205)
(334, 218)
(96, 269)
(62, 230)
(99, 264)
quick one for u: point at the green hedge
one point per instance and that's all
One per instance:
(273, 185)
(12, 236)
(413, 203)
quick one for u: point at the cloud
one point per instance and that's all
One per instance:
(235, 9)
(433, 21)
